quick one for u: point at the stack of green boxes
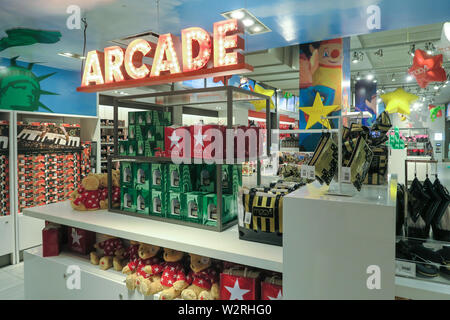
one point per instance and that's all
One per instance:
(179, 191)
(145, 133)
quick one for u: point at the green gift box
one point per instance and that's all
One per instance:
(176, 205)
(158, 203)
(131, 132)
(131, 118)
(179, 177)
(205, 178)
(159, 176)
(132, 148)
(229, 209)
(140, 150)
(194, 207)
(143, 201)
(231, 178)
(146, 133)
(162, 118)
(127, 174)
(128, 199)
(142, 176)
(144, 117)
(158, 132)
(123, 148)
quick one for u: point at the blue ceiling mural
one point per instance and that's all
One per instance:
(291, 21)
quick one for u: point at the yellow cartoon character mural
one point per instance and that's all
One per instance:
(327, 70)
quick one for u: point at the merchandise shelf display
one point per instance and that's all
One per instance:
(218, 245)
(150, 130)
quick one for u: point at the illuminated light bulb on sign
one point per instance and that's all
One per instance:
(92, 69)
(113, 64)
(138, 45)
(166, 46)
(226, 38)
(203, 39)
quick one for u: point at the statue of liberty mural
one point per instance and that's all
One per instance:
(20, 88)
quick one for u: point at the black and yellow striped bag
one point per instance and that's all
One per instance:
(263, 212)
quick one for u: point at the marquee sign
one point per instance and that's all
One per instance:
(197, 55)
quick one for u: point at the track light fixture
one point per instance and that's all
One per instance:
(412, 50)
(393, 77)
(379, 53)
(429, 47)
(358, 56)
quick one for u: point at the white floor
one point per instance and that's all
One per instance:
(11, 282)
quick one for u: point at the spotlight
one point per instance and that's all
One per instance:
(409, 78)
(436, 87)
(375, 80)
(429, 47)
(379, 53)
(370, 76)
(358, 56)
(412, 50)
(237, 14)
(393, 78)
(248, 22)
(358, 77)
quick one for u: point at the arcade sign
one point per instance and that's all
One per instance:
(197, 55)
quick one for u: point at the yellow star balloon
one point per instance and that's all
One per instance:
(261, 104)
(317, 111)
(398, 101)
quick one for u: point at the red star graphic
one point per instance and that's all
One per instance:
(427, 68)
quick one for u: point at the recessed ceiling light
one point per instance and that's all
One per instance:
(71, 55)
(252, 25)
(248, 22)
(256, 29)
(238, 14)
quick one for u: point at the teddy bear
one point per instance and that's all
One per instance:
(142, 269)
(173, 277)
(103, 190)
(113, 252)
(116, 188)
(203, 280)
(87, 197)
(131, 254)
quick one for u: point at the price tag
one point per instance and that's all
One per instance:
(346, 173)
(240, 214)
(304, 171)
(404, 268)
(248, 217)
(312, 172)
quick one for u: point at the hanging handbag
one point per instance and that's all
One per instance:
(325, 159)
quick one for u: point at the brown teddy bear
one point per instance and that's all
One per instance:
(143, 268)
(113, 251)
(116, 188)
(87, 196)
(203, 280)
(172, 280)
(103, 190)
(131, 254)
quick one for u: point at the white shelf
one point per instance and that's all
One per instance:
(94, 283)
(224, 245)
(421, 289)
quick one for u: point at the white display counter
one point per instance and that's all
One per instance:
(330, 242)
